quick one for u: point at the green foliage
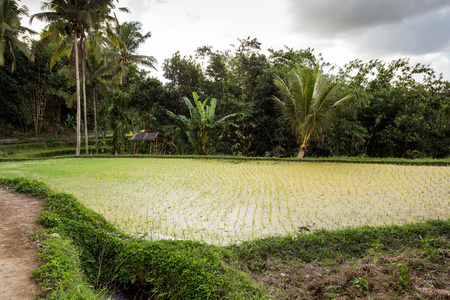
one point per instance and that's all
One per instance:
(402, 272)
(399, 113)
(429, 248)
(11, 30)
(401, 110)
(307, 99)
(199, 126)
(31, 187)
(33, 95)
(61, 275)
(122, 119)
(361, 284)
(31, 149)
(192, 270)
(351, 242)
(164, 269)
(123, 40)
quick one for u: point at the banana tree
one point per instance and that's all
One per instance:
(200, 124)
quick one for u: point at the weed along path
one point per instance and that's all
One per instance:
(18, 254)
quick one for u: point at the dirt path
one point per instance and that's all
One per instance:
(18, 253)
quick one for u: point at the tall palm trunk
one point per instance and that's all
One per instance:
(83, 68)
(95, 120)
(301, 152)
(303, 146)
(77, 78)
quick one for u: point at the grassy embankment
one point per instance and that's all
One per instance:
(46, 147)
(31, 149)
(91, 251)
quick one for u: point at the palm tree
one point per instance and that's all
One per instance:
(96, 69)
(307, 100)
(65, 23)
(68, 22)
(121, 119)
(10, 29)
(124, 40)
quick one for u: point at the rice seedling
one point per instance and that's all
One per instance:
(220, 202)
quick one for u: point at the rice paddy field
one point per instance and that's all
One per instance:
(228, 201)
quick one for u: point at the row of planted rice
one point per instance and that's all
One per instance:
(228, 201)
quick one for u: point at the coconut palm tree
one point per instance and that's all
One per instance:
(307, 98)
(10, 30)
(96, 70)
(121, 119)
(69, 20)
(124, 40)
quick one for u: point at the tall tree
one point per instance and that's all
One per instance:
(10, 30)
(124, 40)
(68, 22)
(95, 69)
(121, 119)
(307, 99)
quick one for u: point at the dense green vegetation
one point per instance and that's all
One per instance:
(307, 103)
(82, 74)
(397, 109)
(87, 247)
(166, 269)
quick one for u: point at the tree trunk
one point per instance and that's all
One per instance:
(83, 68)
(77, 78)
(302, 150)
(301, 153)
(95, 121)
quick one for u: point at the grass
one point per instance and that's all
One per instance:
(32, 149)
(229, 201)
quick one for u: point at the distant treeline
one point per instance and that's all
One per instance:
(398, 109)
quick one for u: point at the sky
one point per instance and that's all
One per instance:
(341, 30)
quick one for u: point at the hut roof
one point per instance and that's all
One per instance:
(144, 136)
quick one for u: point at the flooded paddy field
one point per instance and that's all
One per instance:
(229, 201)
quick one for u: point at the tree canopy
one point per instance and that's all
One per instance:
(398, 109)
(307, 100)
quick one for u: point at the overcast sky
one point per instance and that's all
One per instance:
(342, 30)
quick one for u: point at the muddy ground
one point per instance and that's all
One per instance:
(376, 276)
(18, 252)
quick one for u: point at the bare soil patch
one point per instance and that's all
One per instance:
(429, 278)
(18, 252)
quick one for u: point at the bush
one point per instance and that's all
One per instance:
(61, 276)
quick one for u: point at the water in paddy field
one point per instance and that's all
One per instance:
(222, 202)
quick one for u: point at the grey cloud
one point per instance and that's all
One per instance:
(425, 34)
(340, 17)
(406, 27)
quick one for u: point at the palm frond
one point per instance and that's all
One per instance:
(2, 52)
(306, 100)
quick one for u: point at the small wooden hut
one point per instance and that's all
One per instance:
(149, 137)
